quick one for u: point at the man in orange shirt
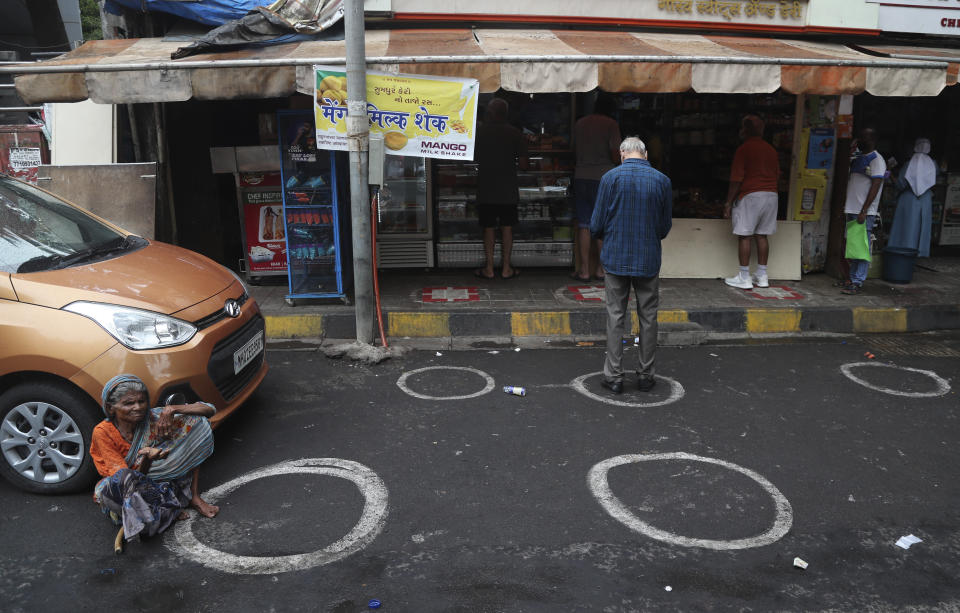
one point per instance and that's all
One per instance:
(752, 201)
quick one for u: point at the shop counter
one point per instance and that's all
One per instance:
(706, 249)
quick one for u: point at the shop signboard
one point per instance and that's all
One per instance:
(950, 228)
(732, 14)
(941, 17)
(418, 115)
(263, 221)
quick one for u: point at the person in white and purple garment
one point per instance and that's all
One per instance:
(633, 213)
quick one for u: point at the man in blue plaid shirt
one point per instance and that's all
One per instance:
(633, 213)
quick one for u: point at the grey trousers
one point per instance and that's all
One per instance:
(647, 291)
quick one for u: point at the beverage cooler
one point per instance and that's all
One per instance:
(316, 231)
(404, 216)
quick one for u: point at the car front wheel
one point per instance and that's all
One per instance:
(45, 430)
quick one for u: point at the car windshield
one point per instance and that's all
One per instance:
(40, 232)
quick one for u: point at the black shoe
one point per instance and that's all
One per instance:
(645, 383)
(614, 386)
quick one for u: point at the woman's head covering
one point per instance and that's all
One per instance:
(921, 170)
(112, 385)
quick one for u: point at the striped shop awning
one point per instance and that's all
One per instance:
(533, 61)
(902, 52)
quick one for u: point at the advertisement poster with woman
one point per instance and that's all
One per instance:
(266, 247)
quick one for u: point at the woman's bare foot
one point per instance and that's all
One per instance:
(205, 508)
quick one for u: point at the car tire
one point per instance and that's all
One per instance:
(45, 429)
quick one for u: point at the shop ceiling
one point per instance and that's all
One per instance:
(533, 61)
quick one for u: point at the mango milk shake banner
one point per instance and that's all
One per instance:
(421, 116)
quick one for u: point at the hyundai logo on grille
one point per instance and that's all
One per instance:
(231, 308)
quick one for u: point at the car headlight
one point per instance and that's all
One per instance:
(136, 328)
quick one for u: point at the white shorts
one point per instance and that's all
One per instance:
(755, 213)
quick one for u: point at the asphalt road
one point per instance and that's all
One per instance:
(505, 503)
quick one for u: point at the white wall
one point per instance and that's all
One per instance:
(83, 134)
(858, 14)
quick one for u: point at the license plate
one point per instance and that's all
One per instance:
(246, 354)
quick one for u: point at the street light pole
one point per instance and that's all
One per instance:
(358, 142)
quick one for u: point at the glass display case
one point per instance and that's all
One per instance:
(404, 215)
(310, 212)
(692, 139)
(544, 234)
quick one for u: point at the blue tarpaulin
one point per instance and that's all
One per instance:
(209, 12)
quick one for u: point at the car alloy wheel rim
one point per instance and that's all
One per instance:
(41, 442)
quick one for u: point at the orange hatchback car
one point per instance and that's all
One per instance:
(81, 301)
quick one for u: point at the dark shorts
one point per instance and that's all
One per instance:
(494, 215)
(585, 192)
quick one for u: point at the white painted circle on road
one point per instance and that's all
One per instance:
(676, 392)
(600, 487)
(942, 385)
(402, 383)
(363, 533)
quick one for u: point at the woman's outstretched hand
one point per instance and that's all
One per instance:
(153, 453)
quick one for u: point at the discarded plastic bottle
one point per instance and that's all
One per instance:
(515, 390)
(373, 604)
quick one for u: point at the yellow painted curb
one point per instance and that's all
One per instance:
(670, 316)
(677, 316)
(866, 319)
(418, 324)
(541, 323)
(293, 326)
(773, 320)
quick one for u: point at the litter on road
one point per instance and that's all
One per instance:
(904, 542)
(797, 562)
(515, 390)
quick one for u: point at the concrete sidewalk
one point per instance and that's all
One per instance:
(453, 304)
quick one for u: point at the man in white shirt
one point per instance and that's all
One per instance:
(867, 171)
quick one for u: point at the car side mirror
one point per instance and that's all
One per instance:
(175, 399)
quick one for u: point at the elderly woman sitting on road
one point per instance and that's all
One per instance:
(149, 458)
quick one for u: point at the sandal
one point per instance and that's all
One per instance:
(478, 273)
(851, 290)
(516, 273)
(577, 277)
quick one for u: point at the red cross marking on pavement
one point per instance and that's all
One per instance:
(450, 294)
(587, 293)
(776, 292)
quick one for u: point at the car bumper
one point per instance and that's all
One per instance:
(190, 367)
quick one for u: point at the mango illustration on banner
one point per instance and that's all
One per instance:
(419, 115)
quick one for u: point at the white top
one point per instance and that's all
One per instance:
(863, 170)
(921, 170)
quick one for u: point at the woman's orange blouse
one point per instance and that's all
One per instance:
(108, 449)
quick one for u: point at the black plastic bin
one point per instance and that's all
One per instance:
(898, 264)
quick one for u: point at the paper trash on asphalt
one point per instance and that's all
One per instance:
(800, 563)
(904, 542)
